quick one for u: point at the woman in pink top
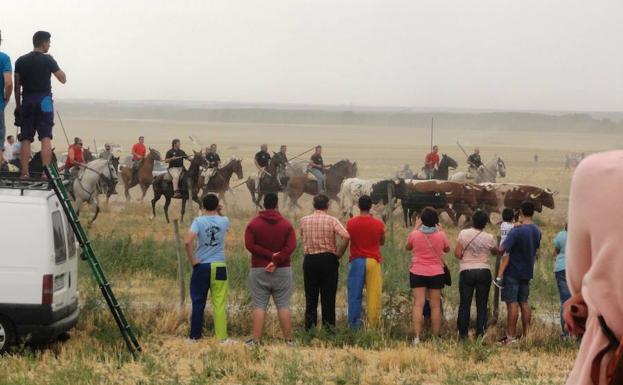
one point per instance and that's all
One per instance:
(595, 261)
(473, 249)
(428, 245)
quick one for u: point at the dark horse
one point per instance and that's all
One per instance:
(271, 182)
(335, 175)
(442, 171)
(165, 187)
(35, 167)
(219, 183)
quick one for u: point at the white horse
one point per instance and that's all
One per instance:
(486, 173)
(99, 176)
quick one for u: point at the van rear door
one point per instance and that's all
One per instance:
(57, 282)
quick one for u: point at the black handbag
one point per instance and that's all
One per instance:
(447, 277)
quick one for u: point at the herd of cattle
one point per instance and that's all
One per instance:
(457, 199)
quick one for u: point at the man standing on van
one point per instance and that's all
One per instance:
(205, 248)
(34, 111)
(6, 85)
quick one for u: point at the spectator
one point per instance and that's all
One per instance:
(11, 149)
(594, 266)
(508, 222)
(271, 240)
(205, 248)
(367, 234)
(521, 244)
(560, 245)
(34, 109)
(472, 249)
(428, 244)
(321, 261)
(6, 87)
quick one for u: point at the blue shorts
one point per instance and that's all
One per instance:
(37, 116)
(515, 290)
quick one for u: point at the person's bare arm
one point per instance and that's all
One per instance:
(8, 87)
(343, 246)
(189, 245)
(556, 252)
(382, 242)
(60, 76)
(17, 89)
(458, 250)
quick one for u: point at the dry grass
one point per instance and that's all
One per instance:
(140, 256)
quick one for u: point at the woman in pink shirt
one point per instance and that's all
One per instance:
(472, 249)
(428, 245)
(595, 264)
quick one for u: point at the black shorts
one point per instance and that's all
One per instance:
(37, 116)
(429, 282)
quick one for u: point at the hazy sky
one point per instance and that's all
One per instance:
(489, 54)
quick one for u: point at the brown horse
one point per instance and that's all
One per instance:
(335, 175)
(219, 183)
(270, 181)
(144, 175)
(165, 187)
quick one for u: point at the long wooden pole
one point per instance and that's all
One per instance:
(180, 262)
(432, 128)
(390, 210)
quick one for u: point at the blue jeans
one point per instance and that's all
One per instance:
(565, 294)
(515, 290)
(319, 179)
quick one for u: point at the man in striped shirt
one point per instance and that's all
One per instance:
(321, 261)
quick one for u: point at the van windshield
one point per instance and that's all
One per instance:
(60, 248)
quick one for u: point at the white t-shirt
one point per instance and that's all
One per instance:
(505, 228)
(10, 151)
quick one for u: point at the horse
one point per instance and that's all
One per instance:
(270, 182)
(441, 173)
(143, 176)
(219, 182)
(35, 167)
(335, 175)
(100, 175)
(165, 187)
(485, 174)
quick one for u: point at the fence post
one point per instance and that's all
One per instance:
(390, 210)
(180, 262)
(190, 198)
(496, 293)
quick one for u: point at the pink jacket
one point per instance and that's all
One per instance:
(595, 253)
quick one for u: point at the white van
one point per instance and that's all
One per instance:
(38, 264)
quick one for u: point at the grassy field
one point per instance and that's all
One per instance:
(140, 258)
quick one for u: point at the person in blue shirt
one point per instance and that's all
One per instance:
(560, 246)
(6, 85)
(205, 248)
(521, 244)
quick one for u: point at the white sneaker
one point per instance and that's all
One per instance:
(191, 341)
(227, 342)
(416, 341)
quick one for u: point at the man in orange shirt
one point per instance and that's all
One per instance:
(138, 152)
(431, 162)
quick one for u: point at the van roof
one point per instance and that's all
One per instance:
(13, 189)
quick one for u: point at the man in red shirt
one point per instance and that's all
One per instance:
(431, 162)
(75, 157)
(271, 240)
(367, 234)
(138, 151)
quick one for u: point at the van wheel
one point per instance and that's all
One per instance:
(7, 334)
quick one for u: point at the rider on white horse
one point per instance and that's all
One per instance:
(474, 163)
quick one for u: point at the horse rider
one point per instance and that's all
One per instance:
(431, 162)
(474, 163)
(282, 171)
(75, 158)
(138, 152)
(317, 168)
(214, 162)
(405, 173)
(262, 158)
(175, 158)
(106, 153)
